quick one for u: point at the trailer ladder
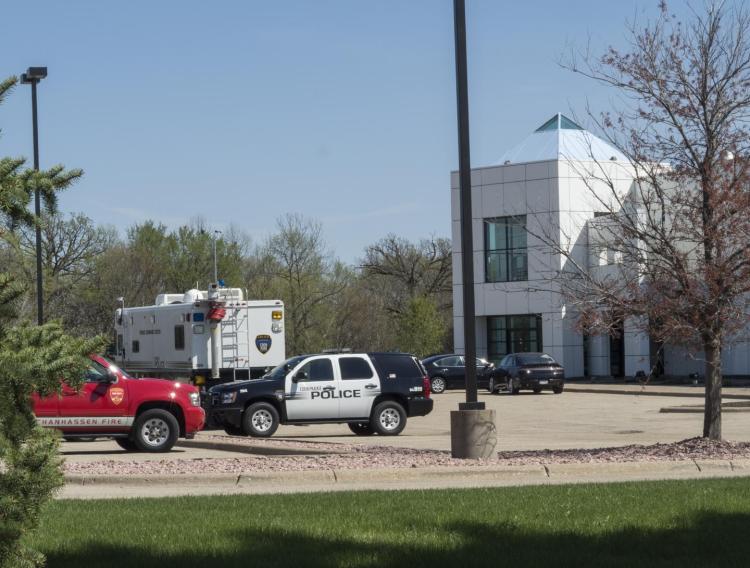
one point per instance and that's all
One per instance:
(235, 339)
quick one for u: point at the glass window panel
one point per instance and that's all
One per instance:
(506, 258)
(318, 370)
(509, 334)
(179, 337)
(495, 234)
(354, 368)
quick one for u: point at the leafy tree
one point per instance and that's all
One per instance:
(421, 329)
(32, 359)
(402, 275)
(682, 232)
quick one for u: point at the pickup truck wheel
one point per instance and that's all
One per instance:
(557, 390)
(361, 428)
(260, 420)
(156, 430)
(388, 418)
(126, 444)
(491, 386)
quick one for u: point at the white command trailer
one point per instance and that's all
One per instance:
(206, 337)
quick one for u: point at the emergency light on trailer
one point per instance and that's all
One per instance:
(276, 314)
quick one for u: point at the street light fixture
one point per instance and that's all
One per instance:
(32, 77)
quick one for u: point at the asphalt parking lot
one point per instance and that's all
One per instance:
(548, 421)
(525, 422)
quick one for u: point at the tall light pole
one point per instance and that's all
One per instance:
(473, 431)
(216, 269)
(32, 77)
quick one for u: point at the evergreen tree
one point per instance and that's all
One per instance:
(32, 360)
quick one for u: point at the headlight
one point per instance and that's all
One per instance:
(195, 398)
(228, 397)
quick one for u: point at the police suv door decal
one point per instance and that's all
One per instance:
(358, 377)
(314, 395)
(263, 343)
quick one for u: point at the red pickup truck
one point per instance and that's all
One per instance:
(140, 414)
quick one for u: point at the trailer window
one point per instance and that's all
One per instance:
(135, 346)
(179, 337)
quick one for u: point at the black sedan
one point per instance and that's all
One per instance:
(449, 372)
(528, 371)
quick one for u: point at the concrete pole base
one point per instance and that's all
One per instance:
(473, 434)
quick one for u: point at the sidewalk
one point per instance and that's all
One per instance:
(114, 486)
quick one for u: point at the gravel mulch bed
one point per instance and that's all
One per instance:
(380, 457)
(690, 449)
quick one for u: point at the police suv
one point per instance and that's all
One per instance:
(371, 392)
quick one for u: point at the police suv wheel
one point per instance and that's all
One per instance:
(437, 385)
(260, 420)
(155, 430)
(388, 418)
(361, 428)
(126, 444)
(513, 386)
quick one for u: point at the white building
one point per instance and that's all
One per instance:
(534, 193)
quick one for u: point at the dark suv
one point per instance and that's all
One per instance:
(529, 371)
(449, 372)
(371, 392)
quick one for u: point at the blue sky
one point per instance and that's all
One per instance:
(239, 112)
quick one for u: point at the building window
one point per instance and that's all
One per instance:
(513, 334)
(135, 346)
(506, 259)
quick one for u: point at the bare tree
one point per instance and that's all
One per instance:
(403, 271)
(296, 266)
(678, 238)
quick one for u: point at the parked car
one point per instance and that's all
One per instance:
(373, 393)
(140, 414)
(527, 371)
(449, 372)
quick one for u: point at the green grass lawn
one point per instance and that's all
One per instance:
(673, 523)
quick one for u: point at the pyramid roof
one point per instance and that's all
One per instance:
(560, 138)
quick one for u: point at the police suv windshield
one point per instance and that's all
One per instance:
(280, 371)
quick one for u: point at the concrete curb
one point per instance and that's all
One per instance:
(697, 409)
(647, 391)
(356, 477)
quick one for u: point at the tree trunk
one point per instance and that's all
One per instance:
(712, 411)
